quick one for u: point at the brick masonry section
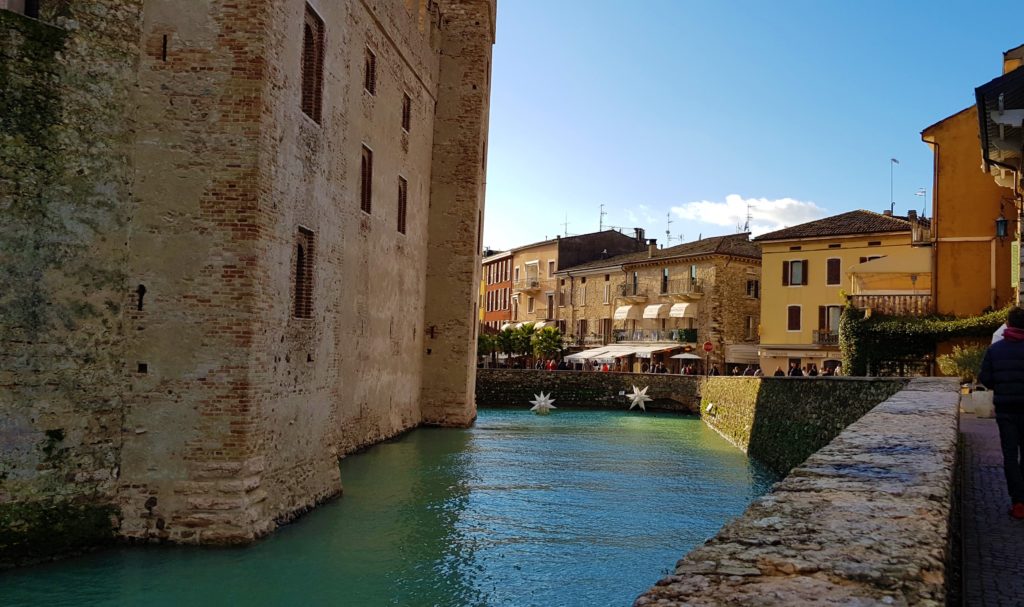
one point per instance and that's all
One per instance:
(864, 521)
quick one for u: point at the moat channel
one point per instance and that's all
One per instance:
(575, 508)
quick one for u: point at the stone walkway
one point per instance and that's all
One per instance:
(993, 543)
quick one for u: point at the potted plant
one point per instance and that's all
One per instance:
(965, 362)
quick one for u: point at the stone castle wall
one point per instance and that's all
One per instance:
(64, 182)
(154, 361)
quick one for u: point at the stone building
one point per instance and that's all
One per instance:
(241, 240)
(669, 300)
(534, 285)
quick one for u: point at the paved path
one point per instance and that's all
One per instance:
(993, 543)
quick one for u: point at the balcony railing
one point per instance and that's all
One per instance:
(824, 337)
(526, 284)
(673, 335)
(895, 305)
(684, 286)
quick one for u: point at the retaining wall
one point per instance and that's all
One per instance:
(864, 521)
(780, 421)
(517, 387)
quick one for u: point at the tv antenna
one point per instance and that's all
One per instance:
(600, 224)
(565, 226)
(746, 224)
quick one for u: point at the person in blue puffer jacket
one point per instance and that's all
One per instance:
(1002, 371)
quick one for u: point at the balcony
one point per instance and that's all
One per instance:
(895, 305)
(646, 335)
(525, 285)
(824, 337)
(685, 289)
(632, 294)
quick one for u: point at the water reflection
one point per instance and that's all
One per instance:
(571, 508)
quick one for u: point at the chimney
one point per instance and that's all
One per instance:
(912, 216)
(639, 234)
(887, 212)
(652, 246)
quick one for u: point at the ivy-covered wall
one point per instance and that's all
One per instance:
(65, 89)
(780, 421)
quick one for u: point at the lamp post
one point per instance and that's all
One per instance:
(892, 199)
(1001, 223)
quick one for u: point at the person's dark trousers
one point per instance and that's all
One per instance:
(1011, 438)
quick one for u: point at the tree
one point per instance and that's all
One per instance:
(486, 344)
(522, 339)
(505, 341)
(547, 342)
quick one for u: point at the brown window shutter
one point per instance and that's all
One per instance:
(807, 271)
(834, 271)
(793, 323)
(823, 318)
(863, 259)
(785, 273)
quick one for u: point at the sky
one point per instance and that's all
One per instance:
(694, 109)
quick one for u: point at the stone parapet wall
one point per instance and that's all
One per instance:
(864, 521)
(515, 387)
(780, 421)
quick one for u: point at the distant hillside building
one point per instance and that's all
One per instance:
(239, 240)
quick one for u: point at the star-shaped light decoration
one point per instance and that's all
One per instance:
(542, 403)
(638, 397)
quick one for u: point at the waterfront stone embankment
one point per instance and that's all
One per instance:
(864, 521)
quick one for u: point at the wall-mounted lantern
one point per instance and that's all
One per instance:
(1001, 223)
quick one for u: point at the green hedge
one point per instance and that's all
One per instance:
(867, 341)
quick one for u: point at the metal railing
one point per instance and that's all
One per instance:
(526, 284)
(627, 289)
(684, 286)
(895, 305)
(826, 338)
(668, 335)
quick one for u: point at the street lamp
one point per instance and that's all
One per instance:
(1001, 226)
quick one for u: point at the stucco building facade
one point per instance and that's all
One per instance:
(279, 204)
(496, 300)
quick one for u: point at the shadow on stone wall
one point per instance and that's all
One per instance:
(780, 421)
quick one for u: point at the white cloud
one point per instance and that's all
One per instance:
(765, 215)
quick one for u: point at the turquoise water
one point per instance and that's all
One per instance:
(574, 508)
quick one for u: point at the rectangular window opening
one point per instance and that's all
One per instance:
(370, 72)
(303, 278)
(403, 199)
(366, 181)
(406, 112)
(312, 65)
(793, 318)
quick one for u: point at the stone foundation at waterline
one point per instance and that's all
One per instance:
(864, 521)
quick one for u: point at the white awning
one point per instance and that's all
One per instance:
(540, 325)
(647, 351)
(628, 313)
(683, 310)
(585, 355)
(741, 353)
(656, 311)
(686, 356)
(507, 325)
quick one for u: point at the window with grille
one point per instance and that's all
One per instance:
(833, 266)
(366, 181)
(370, 72)
(551, 268)
(793, 318)
(312, 64)
(664, 280)
(529, 305)
(403, 199)
(406, 112)
(303, 279)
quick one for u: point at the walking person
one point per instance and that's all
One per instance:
(1002, 371)
(794, 370)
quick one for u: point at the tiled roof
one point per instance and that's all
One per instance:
(732, 244)
(853, 222)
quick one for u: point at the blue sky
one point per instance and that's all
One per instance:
(659, 106)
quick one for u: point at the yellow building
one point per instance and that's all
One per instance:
(972, 266)
(808, 270)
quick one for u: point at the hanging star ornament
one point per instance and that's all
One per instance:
(638, 398)
(542, 403)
